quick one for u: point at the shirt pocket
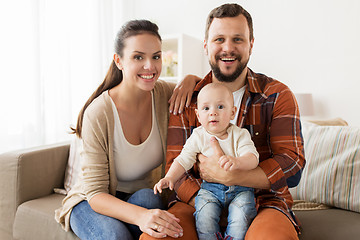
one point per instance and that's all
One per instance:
(260, 136)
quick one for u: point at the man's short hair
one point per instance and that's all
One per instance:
(229, 10)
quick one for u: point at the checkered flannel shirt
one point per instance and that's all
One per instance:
(270, 113)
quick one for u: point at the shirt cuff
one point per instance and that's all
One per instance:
(274, 173)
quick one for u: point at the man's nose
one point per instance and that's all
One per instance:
(228, 46)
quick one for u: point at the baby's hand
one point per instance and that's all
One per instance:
(228, 163)
(163, 183)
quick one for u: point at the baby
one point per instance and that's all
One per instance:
(215, 109)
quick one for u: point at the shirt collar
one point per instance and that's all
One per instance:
(253, 82)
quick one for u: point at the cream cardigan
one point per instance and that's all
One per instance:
(98, 171)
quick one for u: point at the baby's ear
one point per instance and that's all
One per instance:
(233, 112)
(197, 114)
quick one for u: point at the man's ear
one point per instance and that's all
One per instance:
(251, 46)
(205, 47)
(117, 61)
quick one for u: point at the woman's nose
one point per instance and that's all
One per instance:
(149, 65)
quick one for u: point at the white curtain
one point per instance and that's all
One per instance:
(53, 56)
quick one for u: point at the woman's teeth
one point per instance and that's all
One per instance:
(147, 76)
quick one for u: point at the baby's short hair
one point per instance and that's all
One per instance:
(218, 86)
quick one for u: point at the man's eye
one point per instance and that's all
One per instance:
(219, 40)
(138, 57)
(220, 106)
(237, 39)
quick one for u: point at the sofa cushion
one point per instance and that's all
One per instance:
(34, 215)
(332, 172)
(329, 224)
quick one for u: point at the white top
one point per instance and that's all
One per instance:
(238, 96)
(236, 144)
(134, 165)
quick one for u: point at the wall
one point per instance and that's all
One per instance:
(312, 46)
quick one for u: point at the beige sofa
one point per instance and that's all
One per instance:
(27, 200)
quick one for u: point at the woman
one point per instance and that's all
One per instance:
(123, 127)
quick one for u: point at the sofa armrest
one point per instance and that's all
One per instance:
(29, 174)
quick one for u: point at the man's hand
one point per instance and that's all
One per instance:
(210, 170)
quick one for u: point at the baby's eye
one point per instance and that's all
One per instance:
(205, 108)
(220, 106)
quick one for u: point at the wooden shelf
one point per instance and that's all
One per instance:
(188, 52)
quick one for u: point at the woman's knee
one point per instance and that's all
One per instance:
(146, 198)
(87, 224)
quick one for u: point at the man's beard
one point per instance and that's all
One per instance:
(228, 78)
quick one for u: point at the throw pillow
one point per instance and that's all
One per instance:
(332, 172)
(73, 165)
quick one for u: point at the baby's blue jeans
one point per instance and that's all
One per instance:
(212, 198)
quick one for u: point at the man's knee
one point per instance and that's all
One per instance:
(271, 224)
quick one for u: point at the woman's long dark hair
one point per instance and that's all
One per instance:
(114, 75)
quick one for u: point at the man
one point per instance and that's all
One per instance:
(266, 108)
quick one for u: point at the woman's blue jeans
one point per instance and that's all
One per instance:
(212, 198)
(87, 224)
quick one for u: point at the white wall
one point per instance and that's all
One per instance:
(312, 46)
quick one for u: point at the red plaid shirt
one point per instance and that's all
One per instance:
(270, 113)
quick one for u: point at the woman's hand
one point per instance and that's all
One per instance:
(159, 224)
(182, 94)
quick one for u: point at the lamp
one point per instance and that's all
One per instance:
(305, 103)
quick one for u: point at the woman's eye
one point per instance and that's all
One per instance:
(219, 40)
(220, 106)
(157, 57)
(137, 57)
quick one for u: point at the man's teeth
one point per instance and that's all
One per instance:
(228, 59)
(147, 76)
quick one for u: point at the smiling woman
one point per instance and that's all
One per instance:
(123, 128)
